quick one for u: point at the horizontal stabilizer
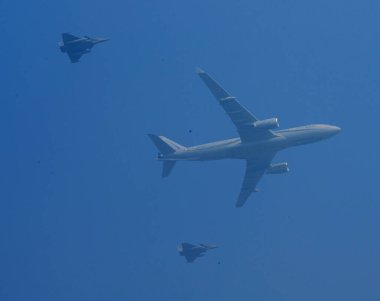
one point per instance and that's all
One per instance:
(165, 145)
(167, 168)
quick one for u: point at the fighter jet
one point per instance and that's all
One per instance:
(76, 46)
(192, 252)
(257, 145)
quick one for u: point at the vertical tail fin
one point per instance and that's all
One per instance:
(166, 146)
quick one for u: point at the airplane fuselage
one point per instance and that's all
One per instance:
(76, 46)
(237, 149)
(258, 143)
(80, 45)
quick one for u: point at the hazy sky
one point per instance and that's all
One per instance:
(84, 213)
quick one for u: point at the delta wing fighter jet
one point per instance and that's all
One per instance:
(192, 252)
(75, 47)
(257, 145)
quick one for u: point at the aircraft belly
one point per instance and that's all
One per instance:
(79, 47)
(249, 150)
(74, 48)
(233, 151)
(216, 154)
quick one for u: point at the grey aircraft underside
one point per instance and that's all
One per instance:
(257, 145)
(75, 47)
(192, 252)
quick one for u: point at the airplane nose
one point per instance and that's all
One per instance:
(101, 40)
(335, 130)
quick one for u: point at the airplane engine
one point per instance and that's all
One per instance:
(266, 124)
(278, 168)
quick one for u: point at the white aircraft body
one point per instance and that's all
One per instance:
(257, 145)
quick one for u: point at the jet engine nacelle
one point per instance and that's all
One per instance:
(278, 168)
(266, 124)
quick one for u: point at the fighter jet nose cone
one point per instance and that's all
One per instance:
(101, 40)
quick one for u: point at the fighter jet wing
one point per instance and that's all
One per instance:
(190, 257)
(68, 37)
(74, 56)
(255, 169)
(240, 116)
(187, 246)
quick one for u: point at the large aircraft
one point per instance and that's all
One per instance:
(76, 46)
(257, 145)
(192, 252)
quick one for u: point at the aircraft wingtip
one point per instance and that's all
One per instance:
(152, 136)
(200, 71)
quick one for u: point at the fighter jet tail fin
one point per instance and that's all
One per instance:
(165, 145)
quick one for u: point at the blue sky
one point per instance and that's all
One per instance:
(84, 214)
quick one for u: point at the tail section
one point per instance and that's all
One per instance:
(167, 168)
(166, 146)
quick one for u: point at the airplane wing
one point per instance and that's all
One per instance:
(68, 37)
(190, 258)
(186, 246)
(74, 56)
(255, 169)
(239, 115)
